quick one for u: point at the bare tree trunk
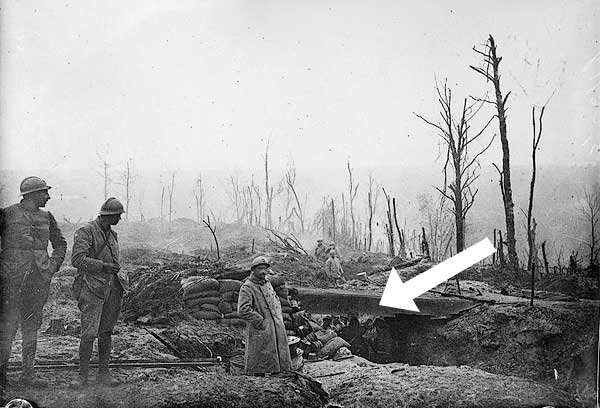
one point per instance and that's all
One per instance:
(491, 59)
(370, 222)
(455, 132)
(333, 218)
(162, 203)
(389, 229)
(424, 243)
(401, 247)
(534, 146)
(268, 190)
(171, 190)
(213, 230)
(352, 190)
(501, 249)
(545, 258)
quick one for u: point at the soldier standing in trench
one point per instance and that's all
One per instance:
(267, 349)
(25, 273)
(99, 288)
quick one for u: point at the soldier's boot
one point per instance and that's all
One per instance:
(104, 377)
(27, 375)
(85, 354)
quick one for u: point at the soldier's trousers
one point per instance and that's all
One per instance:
(21, 306)
(98, 316)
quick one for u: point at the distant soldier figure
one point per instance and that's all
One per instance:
(99, 287)
(267, 349)
(320, 251)
(334, 267)
(331, 247)
(25, 272)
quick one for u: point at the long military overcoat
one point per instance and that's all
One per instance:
(267, 349)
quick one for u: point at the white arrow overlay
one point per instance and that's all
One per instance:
(400, 295)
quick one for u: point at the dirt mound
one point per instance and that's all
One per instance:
(521, 340)
(357, 383)
(157, 388)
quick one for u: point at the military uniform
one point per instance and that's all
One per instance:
(99, 292)
(25, 274)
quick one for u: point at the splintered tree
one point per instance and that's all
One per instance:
(127, 180)
(171, 190)
(531, 258)
(389, 226)
(235, 195)
(102, 158)
(589, 209)
(455, 132)
(352, 191)
(199, 198)
(268, 190)
(492, 61)
(297, 207)
(213, 231)
(372, 197)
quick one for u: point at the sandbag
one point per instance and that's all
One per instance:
(203, 300)
(233, 322)
(229, 296)
(225, 307)
(232, 315)
(229, 285)
(210, 293)
(325, 335)
(206, 315)
(332, 347)
(210, 308)
(188, 282)
(203, 285)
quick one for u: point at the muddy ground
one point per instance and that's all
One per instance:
(501, 354)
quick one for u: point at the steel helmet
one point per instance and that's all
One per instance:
(259, 260)
(112, 206)
(33, 183)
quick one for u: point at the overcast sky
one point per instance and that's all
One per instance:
(192, 85)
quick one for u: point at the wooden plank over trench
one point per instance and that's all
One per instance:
(342, 302)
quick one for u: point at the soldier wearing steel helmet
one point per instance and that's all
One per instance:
(267, 349)
(99, 288)
(26, 271)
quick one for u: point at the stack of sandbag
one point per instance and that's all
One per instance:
(229, 290)
(211, 299)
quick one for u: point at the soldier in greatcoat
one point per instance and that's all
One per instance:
(267, 349)
(99, 288)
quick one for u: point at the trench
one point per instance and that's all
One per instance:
(402, 338)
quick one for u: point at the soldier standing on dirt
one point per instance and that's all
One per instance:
(25, 272)
(334, 267)
(267, 349)
(98, 287)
